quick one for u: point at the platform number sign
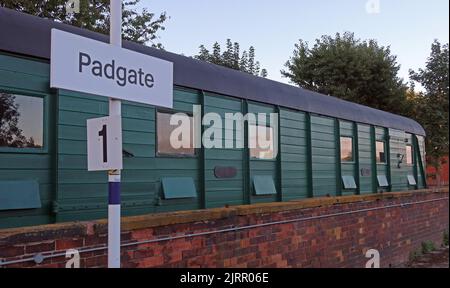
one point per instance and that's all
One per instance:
(104, 141)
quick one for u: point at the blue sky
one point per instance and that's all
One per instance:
(273, 27)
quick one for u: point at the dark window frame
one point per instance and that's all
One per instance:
(45, 123)
(175, 155)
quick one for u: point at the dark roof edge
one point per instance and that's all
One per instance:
(30, 35)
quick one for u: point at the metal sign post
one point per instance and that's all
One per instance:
(115, 109)
(149, 80)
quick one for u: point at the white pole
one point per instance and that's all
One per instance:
(114, 175)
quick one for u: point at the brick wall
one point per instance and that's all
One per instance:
(321, 232)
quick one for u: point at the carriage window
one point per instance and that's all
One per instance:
(346, 149)
(181, 130)
(381, 154)
(21, 121)
(261, 142)
(409, 155)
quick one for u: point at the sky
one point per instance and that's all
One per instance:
(273, 27)
(32, 118)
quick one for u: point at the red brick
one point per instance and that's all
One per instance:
(11, 251)
(338, 241)
(150, 262)
(143, 253)
(142, 234)
(95, 240)
(40, 247)
(51, 265)
(65, 244)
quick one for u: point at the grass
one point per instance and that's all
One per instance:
(414, 255)
(427, 247)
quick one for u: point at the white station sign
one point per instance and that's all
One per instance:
(85, 65)
(104, 142)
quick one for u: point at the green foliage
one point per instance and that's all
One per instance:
(431, 107)
(140, 27)
(232, 58)
(445, 240)
(10, 133)
(350, 69)
(264, 73)
(414, 255)
(427, 247)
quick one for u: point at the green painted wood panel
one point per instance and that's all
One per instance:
(293, 151)
(365, 159)
(142, 174)
(24, 76)
(259, 167)
(19, 195)
(264, 185)
(220, 192)
(178, 187)
(324, 156)
(82, 195)
(348, 168)
(398, 142)
(381, 134)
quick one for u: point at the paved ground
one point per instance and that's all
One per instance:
(435, 259)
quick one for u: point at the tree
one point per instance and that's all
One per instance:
(350, 69)
(264, 73)
(216, 56)
(431, 106)
(10, 133)
(229, 54)
(251, 60)
(140, 27)
(232, 58)
(243, 62)
(236, 56)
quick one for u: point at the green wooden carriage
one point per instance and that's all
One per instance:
(327, 147)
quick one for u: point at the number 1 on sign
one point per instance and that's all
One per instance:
(102, 133)
(104, 139)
